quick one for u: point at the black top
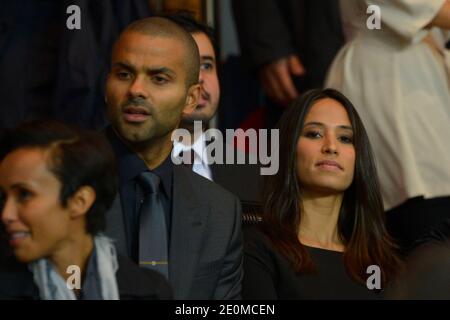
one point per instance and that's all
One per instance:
(269, 275)
(130, 166)
(438, 235)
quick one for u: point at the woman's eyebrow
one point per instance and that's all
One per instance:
(314, 123)
(346, 127)
(320, 124)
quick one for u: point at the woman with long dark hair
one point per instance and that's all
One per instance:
(323, 233)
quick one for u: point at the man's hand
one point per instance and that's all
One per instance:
(276, 79)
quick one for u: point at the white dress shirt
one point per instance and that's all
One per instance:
(200, 165)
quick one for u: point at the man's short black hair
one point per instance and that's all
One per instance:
(77, 158)
(186, 20)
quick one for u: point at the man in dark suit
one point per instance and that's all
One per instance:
(152, 82)
(241, 179)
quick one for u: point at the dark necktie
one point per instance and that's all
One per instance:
(153, 242)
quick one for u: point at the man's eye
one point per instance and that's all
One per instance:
(24, 195)
(312, 134)
(159, 80)
(123, 75)
(2, 200)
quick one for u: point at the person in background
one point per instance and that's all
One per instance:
(323, 222)
(229, 176)
(288, 44)
(398, 77)
(56, 184)
(62, 68)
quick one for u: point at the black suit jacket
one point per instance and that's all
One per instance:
(133, 283)
(243, 180)
(271, 29)
(205, 254)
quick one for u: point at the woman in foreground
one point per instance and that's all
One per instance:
(56, 184)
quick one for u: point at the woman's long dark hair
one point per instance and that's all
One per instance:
(361, 223)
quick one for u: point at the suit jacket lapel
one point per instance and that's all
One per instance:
(214, 170)
(217, 171)
(188, 224)
(115, 227)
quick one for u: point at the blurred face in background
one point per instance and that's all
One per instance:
(325, 150)
(208, 79)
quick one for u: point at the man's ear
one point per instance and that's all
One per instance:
(80, 203)
(192, 98)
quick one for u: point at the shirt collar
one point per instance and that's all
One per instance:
(198, 147)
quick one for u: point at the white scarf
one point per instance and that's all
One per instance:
(53, 287)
